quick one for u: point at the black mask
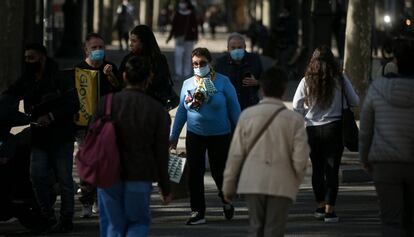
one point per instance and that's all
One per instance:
(32, 67)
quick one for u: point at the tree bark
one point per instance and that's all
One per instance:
(11, 40)
(357, 62)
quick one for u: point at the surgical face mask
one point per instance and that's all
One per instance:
(237, 54)
(202, 71)
(97, 55)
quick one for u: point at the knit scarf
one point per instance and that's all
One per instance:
(204, 90)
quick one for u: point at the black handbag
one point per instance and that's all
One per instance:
(350, 129)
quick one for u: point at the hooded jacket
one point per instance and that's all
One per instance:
(387, 121)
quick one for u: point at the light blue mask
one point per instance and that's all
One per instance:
(237, 54)
(97, 55)
(202, 71)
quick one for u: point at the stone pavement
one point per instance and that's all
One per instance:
(356, 206)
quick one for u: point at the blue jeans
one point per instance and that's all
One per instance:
(55, 160)
(124, 209)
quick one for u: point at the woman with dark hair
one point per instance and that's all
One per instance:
(209, 106)
(142, 127)
(143, 44)
(319, 99)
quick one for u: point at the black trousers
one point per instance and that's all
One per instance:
(217, 148)
(394, 183)
(326, 146)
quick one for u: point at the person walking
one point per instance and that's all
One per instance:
(51, 101)
(267, 158)
(386, 142)
(242, 68)
(142, 128)
(208, 104)
(185, 32)
(160, 85)
(318, 98)
(107, 81)
(124, 22)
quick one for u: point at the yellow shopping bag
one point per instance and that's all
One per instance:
(87, 85)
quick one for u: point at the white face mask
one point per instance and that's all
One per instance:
(202, 71)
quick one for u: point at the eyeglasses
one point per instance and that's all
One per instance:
(199, 64)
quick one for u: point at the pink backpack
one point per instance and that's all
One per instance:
(98, 159)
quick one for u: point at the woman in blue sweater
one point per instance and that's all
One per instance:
(208, 103)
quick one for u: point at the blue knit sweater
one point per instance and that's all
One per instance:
(217, 116)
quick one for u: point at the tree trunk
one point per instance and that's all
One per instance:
(11, 40)
(357, 62)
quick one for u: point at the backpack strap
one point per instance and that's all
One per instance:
(108, 104)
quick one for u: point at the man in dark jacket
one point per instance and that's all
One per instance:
(51, 101)
(108, 81)
(242, 68)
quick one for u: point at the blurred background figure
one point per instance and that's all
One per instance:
(124, 22)
(163, 19)
(212, 16)
(201, 14)
(185, 32)
(258, 35)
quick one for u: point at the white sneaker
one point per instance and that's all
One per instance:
(95, 208)
(86, 211)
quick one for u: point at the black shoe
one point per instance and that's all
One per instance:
(331, 218)
(319, 213)
(228, 211)
(196, 218)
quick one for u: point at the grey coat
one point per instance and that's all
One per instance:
(387, 122)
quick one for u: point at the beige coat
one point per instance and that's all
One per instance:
(277, 163)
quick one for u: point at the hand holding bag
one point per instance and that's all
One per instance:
(178, 176)
(350, 129)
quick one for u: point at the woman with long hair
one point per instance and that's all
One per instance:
(143, 44)
(319, 99)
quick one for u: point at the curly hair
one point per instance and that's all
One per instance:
(322, 76)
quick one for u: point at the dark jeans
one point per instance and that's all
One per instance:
(217, 148)
(59, 159)
(326, 146)
(394, 183)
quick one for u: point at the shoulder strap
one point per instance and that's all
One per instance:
(343, 93)
(108, 104)
(265, 126)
